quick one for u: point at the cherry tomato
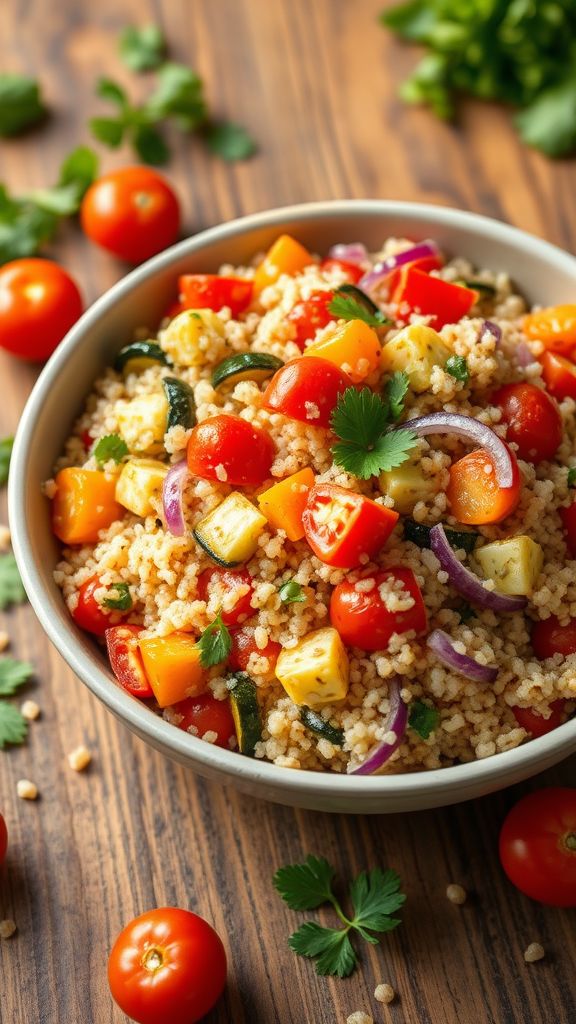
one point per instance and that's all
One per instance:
(534, 422)
(538, 846)
(88, 613)
(342, 526)
(126, 660)
(210, 291)
(535, 724)
(168, 966)
(206, 714)
(223, 582)
(425, 263)
(39, 303)
(559, 375)
(362, 618)
(475, 495)
(555, 327)
(307, 390)
(550, 638)
(3, 840)
(442, 301)
(131, 212)
(350, 271)
(309, 315)
(568, 517)
(244, 644)
(230, 445)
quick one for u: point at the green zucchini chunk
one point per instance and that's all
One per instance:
(313, 721)
(139, 356)
(255, 366)
(181, 406)
(419, 534)
(245, 712)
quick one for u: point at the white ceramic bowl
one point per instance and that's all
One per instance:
(542, 272)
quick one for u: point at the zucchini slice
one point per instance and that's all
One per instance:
(139, 356)
(313, 721)
(245, 366)
(181, 405)
(419, 534)
(229, 533)
(486, 290)
(245, 712)
(361, 297)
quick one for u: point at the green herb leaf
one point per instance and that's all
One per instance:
(150, 145)
(112, 446)
(109, 90)
(76, 175)
(13, 725)
(229, 141)
(388, 451)
(214, 643)
(6, 445)
(142, 48)
(375, 897)
(305, 886)
(24, 227)
(423, 718)
(20, 103)
(360, 417)
(571, 478)
(291, 593)
(366, 447)
(108, 130)
(395, 392)
(119, 597)
(11, 588)
(179, 94)
(549, 123)
(331, 946)
(13, 674)
(457, 367)
(346, 307)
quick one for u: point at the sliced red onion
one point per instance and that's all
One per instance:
(524, 355)
(353, 252)
(470, 430)
(492, 329)
(381, 269)
(443, 647)
(173, 498)
(467, 582)
(396, 722)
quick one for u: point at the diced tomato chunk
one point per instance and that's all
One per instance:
(210, 291)
(126, 660)
(474, 493)
(555, 327)
(537, 725)
(309, 315)
(342, 527)
(352, 272)
(559, 375)
(443, 302)
(204, 714)
(88, 613)
(224, 582)
(425, 263)
(244, 644)
(550, 638)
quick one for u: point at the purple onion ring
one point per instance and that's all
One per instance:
(443, 647)
(470, 430)
(173, 497)
(396, 722)
(465, 581)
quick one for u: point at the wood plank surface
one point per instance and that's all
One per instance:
(316, 83)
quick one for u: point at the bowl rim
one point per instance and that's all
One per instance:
(160, 733)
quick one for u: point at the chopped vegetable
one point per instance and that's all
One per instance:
(181, 405)
(6, 445)
(554, 326)
(465, 581)
(354, 347)
(245, 712)
(126, 660)
(415, 351)
(173, 665)
(343, 527)
(415, 254)
(84, 504)
(291, 593)
(474, 492)
(183, 337)
(362, 616)
(11, 587)
(111, 448)
(446, 652)
(255, 366)
(215, 292)
(244, 647)
(419, 533)
(214, 643)
(283, 504)
(143, 422)
(139, 484)
(441, 301)
(307, 390)
(321, 727)
(119, 597)
(559, 375)
(139, 355)
(173, 497)
(89, 613)
(286, 256)
(394, 727)
(316, 670)
(423, 719)
(229, 534)
(222, 585)
(514, 564)
(345, 306)
(533, 420)
(142, 47)
(310, 315)
(457, 367)
(571, 477)
(366, 447)
(20, 104)
(230, 449)
(407, 485)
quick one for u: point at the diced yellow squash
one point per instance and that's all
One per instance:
(353, 346)
(229, 534)
(407, 485)
(142, 423)
(513, 564)
(187, 336)
(140, 481)
(416, 350)
(316, 671)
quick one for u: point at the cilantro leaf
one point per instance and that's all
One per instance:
(360, 417)
(229, 141)
(119, 597)
(395, 392)
(6, 445)
(142, 48)
(11, 588)
(366, 447)
(375, 897)
(179, 94)
(571, 478)
(109, 90)
(76, 175)
(346, 307)
(150, 146)
(13, 725)
(331, 945)
(305, 886)
(20, 103)
(549, 123)
(112, 446)
(387, 452)
(214, 643)
(423, 718)
(13, 674)
(291, 592)
(108, 130)
(457, 367)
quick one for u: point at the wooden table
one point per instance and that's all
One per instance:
(316, 83)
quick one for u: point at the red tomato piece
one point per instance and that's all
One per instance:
(232, 446)
(126, 660)
(538, 846)
(223, 582)
(206, 714)
(568, 517)
(559, 375)
(534, 422)
(362, 618)
(87, 440)
(167, 965)
(309, 315)
(550, 638)
(88, 613)
(417, 292)
(352, 272)
(537, 725)
(307, 390)
(173, 310)
(475, 495)
(131, 212)
(3, 840)
(39, 303)
(244, 644)
(210, 291)
(342, 526)
(425, 263)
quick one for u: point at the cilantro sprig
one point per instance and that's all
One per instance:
(291, 592)
(375, 896)
(362, 420)
(6, 445)
(423, 718)
(214, 643)
(349, 303)
(142, 47)
(21, 104)
(111, 447)
(13, 725)
(11, 587)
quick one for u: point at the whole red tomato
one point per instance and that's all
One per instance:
(229, 448)
(39, 303)
(3, 840)
(538, 846)
(362, 618)
(167, 966)
(131, 212)
(533, 419)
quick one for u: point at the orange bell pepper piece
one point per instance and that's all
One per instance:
(172, 665)
(555, 327)
(283, 504)
(83, 505)
(286, 256)
(354, 347)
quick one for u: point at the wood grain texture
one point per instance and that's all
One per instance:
(316, 83)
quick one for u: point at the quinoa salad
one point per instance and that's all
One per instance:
(325, 514)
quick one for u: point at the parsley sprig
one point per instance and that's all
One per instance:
(423, 718)
(349, 303)
(111, 447)
(21, 103)
(6, 445)
(362, 420)
(457, 367)
(375, 897)
(13, 725)
(214, 643)
(119, 597)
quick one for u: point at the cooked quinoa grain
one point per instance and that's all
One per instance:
(7, 928)
(384, 993)
(26, 790)
(4, 640)
(456, 894)
(79, 758)
(359, 1017)
(30, 710)
(534, 952)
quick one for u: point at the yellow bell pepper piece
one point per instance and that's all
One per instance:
(354, 347)
(286, 256)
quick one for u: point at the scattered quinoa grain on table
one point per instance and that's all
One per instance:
(79, 759)
(30, 710)
(534, 952)
(4, 537)
(359, 1017)
(384, 993)
(7, 928)
(26, 790)
(456, 894)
